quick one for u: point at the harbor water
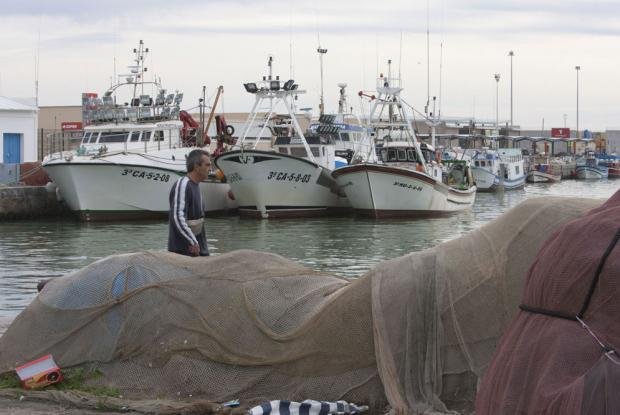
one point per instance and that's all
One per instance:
(31, 251)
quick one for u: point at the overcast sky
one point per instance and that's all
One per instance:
(215, 42)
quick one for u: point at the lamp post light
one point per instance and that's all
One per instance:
(511, 54)
(496, 76)
(577, 69)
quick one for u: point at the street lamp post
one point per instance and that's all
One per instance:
(496, 76)
(577, 69)
(511, 54)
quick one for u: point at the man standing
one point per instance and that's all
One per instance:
(186, 235)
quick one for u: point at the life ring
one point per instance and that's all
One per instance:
(230, 130)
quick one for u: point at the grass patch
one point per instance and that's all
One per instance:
(77, 378)
(74, 379)
(10, 380)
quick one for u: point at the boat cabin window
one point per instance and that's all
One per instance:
(113, 137)
(298, 152)
(93, 137)
(158, 136)
(391, 155)
(86, 137)
(411, 155)
(146, 136)
(517, 170)
(315, 151)
(283, 150)
(135, 136)
(344, 136)
(402, 154)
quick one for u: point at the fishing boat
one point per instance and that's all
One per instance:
(612, 163)
(497, 170)
(588, 168)
(131, 154)
(542, 173)
(292, 178)
(404, 178)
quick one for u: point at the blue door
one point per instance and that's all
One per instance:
(12, 148)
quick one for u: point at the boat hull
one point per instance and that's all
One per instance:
(382, 191)
(272, 185)
(486, 181)
(591, 173)
(541, 177)
(114, 191)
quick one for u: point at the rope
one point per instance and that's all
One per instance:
(609, 351)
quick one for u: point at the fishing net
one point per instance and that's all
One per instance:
(550, 361)
(415, 332)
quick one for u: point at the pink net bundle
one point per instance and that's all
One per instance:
(557, 356)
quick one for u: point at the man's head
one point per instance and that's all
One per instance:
(198, 164)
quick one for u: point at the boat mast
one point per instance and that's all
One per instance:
(321, 52)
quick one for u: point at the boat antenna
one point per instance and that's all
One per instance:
(400, 58)
(428, 58)
(440, 76)
(321, 51)
(36, 66)
(290, 43)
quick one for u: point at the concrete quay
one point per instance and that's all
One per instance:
(23, 202)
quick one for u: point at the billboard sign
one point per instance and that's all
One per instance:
(560, 132)
(71, 126)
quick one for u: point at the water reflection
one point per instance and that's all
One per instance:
(34, 250)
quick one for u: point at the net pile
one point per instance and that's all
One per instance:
(548, 361)
(416, 331)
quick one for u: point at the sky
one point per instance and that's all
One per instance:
(78, 46)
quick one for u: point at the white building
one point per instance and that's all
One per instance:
(613, 141)
(18, 130)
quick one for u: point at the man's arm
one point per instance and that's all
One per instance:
(178, 212)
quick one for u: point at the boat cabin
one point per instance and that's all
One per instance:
(131, 137)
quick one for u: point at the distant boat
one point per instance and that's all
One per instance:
(542, 173)
(588, 168)
(407, 179)
(501, 169)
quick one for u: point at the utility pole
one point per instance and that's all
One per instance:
(577, 69)
(496, 76)
(511, 54)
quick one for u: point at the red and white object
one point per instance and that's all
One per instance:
(39, 373)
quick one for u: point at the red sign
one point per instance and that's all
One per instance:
(560, 132)
(70, 126)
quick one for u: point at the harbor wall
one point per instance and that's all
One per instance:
(21, 202)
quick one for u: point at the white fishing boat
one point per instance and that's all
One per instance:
(501, 169)
(588, 168)
(131, 155)
(293, 178)
(404, 177)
